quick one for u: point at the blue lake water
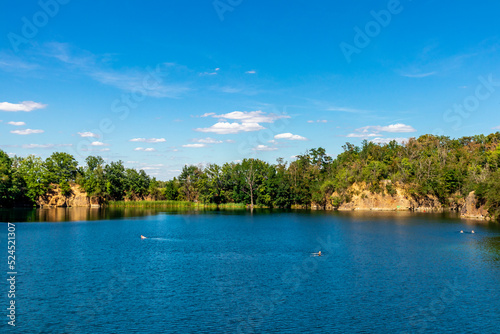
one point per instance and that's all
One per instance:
(237, 272)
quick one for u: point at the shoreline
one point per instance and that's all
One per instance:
(240, 206)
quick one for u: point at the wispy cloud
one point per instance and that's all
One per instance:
(198, 145)
(26, 132)
(224, 128)
(214, 72)
(11, 63)
(376, 130)
(418, 75)
(431, 61)
(245, 121)
(318, 121)
(17, 123)
(88, 135)
(207, 140)
(149, 82)
(148, 140)
(26, 106)
(251, 72)
(362, 135)
(44, 146)
(264, 148)
(249, 116)
(98, 143)
(399, 127)
(289, 136)
(148, 149)
(149, 168)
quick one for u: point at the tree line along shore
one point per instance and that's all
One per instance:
(436, 168)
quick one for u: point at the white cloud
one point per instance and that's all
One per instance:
(231, 141)
(26, 106)
(396, 128)
(88, 135)
(149, 140)
(17, 123)
(245, 121)
(208, 140)
(208, 114)
(95, 149)
(388, 140)
(195, 145)
(26, 131)
(251, 116)
(496, 128)
(362, 135)
(150, 168)
(225, 128)
(251, 72)
(310, 121)
(418, 75)
(33, 146)
(289, 136)
(264, 148)
(98, 143)
(149, 149)
(375, 130)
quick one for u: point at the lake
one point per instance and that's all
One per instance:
(88, 271)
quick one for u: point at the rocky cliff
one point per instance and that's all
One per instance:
(472, 208)
(76, 198)
(399, 199)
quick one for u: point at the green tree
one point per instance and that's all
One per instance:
(115, 180)
(93, 178)
(33, 172)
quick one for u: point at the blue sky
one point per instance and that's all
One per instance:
(164, 84)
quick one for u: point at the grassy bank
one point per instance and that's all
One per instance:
(173, 204)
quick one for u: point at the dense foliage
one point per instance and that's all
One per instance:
(447, 169)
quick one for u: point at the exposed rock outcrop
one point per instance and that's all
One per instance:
(361, 198)
(472, 208)
(76, 198)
